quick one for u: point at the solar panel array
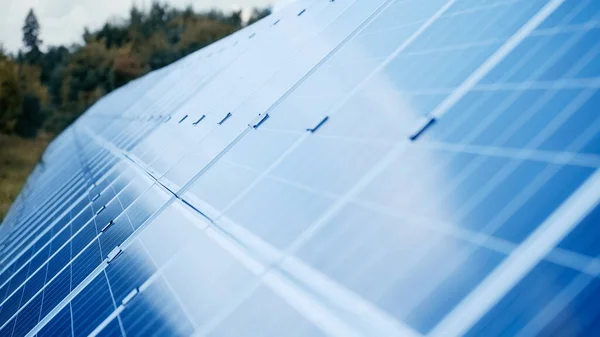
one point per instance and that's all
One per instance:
(349, 168)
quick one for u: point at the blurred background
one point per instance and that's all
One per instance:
(57, 58)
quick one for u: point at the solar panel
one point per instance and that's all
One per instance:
(349, 168)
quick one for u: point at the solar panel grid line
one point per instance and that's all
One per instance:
(72, 321)
(584, 264)
(544, 32)
(398, 50)
(476, 8)
(355, 308)
(329, 290)
(548, 313)
(254, 266)
(505, 171)
(349, 304)
(525, 257)
(154, 91)
(405, 44)
(235, 248)
(159, 211)
(562, 157)
(287, 181)
(532, 85)
(402, 47)
(66, 300)
(297, 83)
(174, 75)
(102, 269)
(20, 307)
(500, 54)
(141, 288)
(236, 254)
(43, 296)
(50, 228)
(314, 311)
(116, 306)
(43, 247)
(39, 211)
(589, 25)
(41, 234)
(530, 111)
(107, 321)
(72, 259)
(188, 315)
(516, 203)
(498, 178)
(11, 238)
(219, 317)
(32, 178)
(562, 27)
(143, 169)
(128, 158)
(340, 202)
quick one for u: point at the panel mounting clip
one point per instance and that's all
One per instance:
(318, 126)
(199, 120)
(113, 254)
(261, 118)
(107, 226)
(424, 124)
(101, 209)
(225, 118)
(133, 293)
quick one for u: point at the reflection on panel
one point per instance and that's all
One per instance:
(345, 168)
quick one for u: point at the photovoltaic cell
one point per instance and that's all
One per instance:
(348, 167)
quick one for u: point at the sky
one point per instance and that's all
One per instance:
(63, 21)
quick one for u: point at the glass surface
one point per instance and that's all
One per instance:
(424, 164)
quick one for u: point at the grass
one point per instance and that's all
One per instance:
(18, 157)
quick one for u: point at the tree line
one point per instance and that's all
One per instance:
(44, 91)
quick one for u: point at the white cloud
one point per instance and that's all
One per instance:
(62, 21)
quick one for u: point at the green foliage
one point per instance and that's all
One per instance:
(258, 14)
(31, 117)
(41, 93)
(89, 70)
(46, 91)
(18, 157)
(10, 95)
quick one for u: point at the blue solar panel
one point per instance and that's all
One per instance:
(349, 168)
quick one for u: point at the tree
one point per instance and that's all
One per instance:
(34, 97)
(49, 61)
(89, 73)
(65, 80)
(235, 19)
(258, 14)
(3, 55)
(127, 66)
(32, 117)
(202, 32)
(87, 36)
(10, 95)
(31, 32)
